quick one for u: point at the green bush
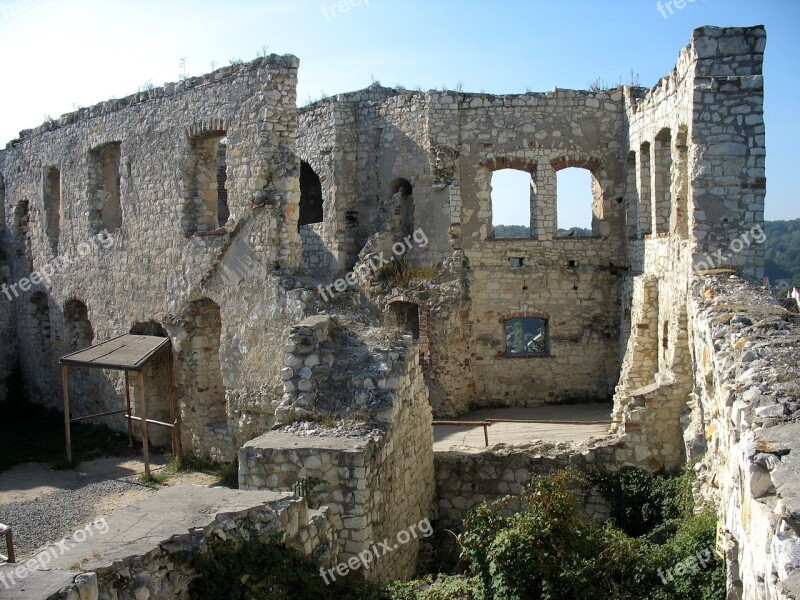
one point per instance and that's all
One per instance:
(552, 550)
(239, 570)
(548, 550)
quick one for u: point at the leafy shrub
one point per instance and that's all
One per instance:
(433, 587)
(643, 503)
(239, 570)
(552, 550)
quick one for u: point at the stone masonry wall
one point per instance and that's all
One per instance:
(162, 570)
(744, 417)
(465, 479)
(374, 483)
(573, 283)
(696, 144)
(157, 264)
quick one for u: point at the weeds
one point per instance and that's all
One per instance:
(153, 479)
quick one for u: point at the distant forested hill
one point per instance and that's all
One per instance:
(519, 231)
(782, 248)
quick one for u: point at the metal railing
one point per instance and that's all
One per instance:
(487, 422)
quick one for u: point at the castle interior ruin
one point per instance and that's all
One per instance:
(330, 282)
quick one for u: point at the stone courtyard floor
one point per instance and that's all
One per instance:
(448, 437)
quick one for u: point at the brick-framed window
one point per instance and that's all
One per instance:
(526, 335)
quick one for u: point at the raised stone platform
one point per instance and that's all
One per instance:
(575, 423)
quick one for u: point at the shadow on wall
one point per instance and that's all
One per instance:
(201, 395)
(156, 382)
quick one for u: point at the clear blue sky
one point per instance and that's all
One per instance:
(59, 54)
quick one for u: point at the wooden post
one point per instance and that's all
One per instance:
(67, 432)
(145, 443)
(128, 404)
(174, 414)
(486, 434)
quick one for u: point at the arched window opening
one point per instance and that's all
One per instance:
(631, 199)
(156, 384)
(21, 218)
(104, 187)
(152, 328)
(527, 336)
(402, 203)
(77, 327)
(404, 316)
(223, 212)
(679, 219)
(310, 196)
(206, 195)
(204, 380)
(645, 193)
(662, 179)
(40, 317)
(513, 198)
(576, 192)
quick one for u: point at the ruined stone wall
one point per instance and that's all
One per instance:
(442, 147)
(465, 479)
(744, 416)
(170, 253)
(695, 146)
(365, 146)
(375, 483)
(156, 565)
(573, 283)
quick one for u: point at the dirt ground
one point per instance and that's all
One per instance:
(30, 481)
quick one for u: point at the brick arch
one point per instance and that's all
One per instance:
(424, 325)
(522, 315)
(510, 162)
(581, 161)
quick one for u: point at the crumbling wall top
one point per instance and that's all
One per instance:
(265, 64)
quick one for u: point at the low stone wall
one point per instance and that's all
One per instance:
(745, 411)
(143, 550)
(374, 483)
(465, 479)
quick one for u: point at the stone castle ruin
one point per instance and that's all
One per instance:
(216, 213)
